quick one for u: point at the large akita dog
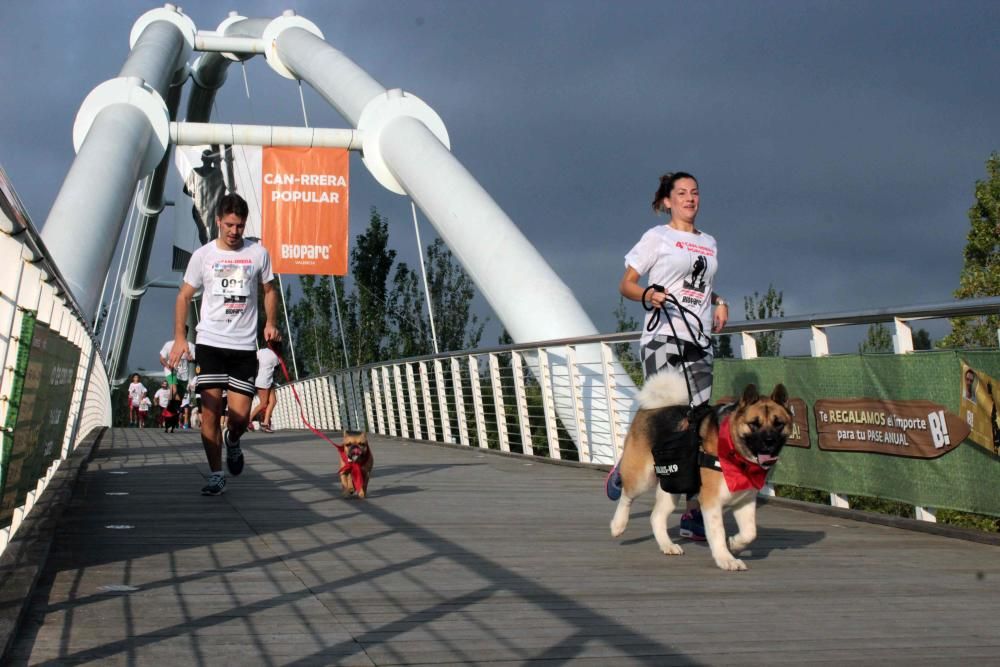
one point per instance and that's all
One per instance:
(741, 444)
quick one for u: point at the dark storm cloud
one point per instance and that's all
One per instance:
(837, 144)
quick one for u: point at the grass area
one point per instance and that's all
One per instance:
(983, 522)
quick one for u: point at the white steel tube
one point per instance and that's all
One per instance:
(197, 134)
(94, 199)
(214, 42)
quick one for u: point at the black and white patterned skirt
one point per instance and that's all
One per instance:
(664, 350)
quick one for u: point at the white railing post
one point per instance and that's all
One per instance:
(610, 391)
(376, 391)
(425, 397)
(368, 394)
(748, 345)
(390, 409)
(498, 406)
(456, 383)
(520, 396)
(582, 438)
(902, 339)
(928, 514)
(837, 500)
(442, 396)
(548, 404)
(819, 345)
(477, 401)
(404, 422)
(323, 394)
(337, 400)
(414, 407)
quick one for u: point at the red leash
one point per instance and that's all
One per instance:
(354, 467)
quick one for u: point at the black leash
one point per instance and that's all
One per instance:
(686, 314)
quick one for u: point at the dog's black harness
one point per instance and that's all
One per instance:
(677, 454)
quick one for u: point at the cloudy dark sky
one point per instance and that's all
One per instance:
(836, 143)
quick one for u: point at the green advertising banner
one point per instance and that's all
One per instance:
(888, 426)
(45, 376)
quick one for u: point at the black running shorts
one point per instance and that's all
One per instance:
(221, 368)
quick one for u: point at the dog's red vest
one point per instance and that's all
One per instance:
(740, 474)
(354, 467)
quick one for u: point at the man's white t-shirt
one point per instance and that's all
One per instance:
(162, 397)
(231, 279)
(136, 390)
(182, 368)
(685, 264)
(267, 361)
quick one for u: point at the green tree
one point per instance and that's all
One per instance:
(409, 331)
(722, 347)
(922, 340)
(879, 339)
(381, 317)
(452, 291)
(765, 307)
(312, 321)
(981, 272)
(625, 322)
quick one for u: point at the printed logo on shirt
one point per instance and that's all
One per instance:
(695, 248)
(696, 281)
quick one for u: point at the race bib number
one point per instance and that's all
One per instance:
(231, 281)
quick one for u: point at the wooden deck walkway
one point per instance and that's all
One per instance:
(462, 557)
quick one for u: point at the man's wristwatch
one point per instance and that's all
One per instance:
(719, 301)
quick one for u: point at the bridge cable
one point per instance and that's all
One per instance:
(281, 286)
(129, 229)
(97, 316)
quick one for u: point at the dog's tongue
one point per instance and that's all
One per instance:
(766, 460)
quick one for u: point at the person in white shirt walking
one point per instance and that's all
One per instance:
(177, 375)
(136, 391)
(267, 361)
(231, 270)
(162, 397)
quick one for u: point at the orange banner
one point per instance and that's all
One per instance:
(304, 209)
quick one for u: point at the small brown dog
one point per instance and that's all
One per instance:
(358, 461)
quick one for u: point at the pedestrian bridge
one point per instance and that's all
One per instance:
(462, 556)
(486, 537)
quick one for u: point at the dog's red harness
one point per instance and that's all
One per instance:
(353, 467)
(740, 474)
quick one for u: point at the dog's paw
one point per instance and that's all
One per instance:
(672, 550)
(736, 545)
(618, 527)
(731, 564)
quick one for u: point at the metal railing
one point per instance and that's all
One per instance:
(506, 398)
(34, 296)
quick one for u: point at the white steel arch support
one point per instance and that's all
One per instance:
(406, 148)
(119, 136)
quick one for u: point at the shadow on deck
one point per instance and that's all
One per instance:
(462, 557)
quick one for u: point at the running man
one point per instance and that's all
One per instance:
(231, 270)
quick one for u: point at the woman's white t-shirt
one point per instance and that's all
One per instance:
(231, 279)
(685, 264)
